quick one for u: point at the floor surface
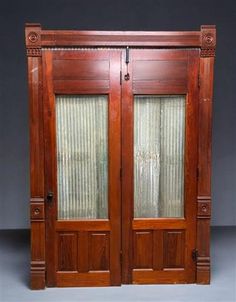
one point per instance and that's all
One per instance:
(14, 277)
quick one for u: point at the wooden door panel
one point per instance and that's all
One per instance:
(80, 69)
(67, 244)
(159, 249)
(151, 70)
(174, 249)
(99, 251)
(159, 75)
(74, 73)
(143, 249)
(83, 252)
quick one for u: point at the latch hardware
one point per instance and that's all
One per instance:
(127, 76)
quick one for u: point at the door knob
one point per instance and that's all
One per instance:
(49, 196)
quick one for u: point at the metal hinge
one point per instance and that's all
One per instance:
(120, 77)
(194, 255)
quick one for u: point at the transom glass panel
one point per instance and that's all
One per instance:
(159, 139)
(82, 159)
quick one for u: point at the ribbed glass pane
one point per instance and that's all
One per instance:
(82, 167)
(159, 137)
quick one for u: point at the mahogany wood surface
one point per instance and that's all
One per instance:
(120, 249)
(83, 246)
(179, 237)
(37, 280)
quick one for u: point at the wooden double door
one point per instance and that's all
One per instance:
(120, 145)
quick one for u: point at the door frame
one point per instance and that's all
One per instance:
(37, 39)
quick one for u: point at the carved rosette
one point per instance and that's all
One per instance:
(33, 40)
(208, 41)
(204, 207)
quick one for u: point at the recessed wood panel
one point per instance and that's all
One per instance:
(160, 76)
(98, 251)
(160, 70)
(80, 69)
(174, 250)
(143, 249)
(67, 251)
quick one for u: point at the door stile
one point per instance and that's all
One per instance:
(191, 147)
(114, 138)
(127, 170)
(50, 167)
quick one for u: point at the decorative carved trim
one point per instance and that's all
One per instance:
(34, 52)
(208, 40)
(33, 40)
(204, 198)
(204, 208)
(36, 200)
(203, 270)
(33, 37)
(208, 52)
(37, 265)
(37, 211)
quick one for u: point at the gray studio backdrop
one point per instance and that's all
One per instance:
(111, 15)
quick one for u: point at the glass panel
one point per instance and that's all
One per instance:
(159, 135)
(82, 173)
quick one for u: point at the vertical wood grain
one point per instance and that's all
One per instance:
(83, 252)
(143, 249)
(67, 251)
(158, 252)
(114, 138)
(88, 257)
(204, 168)
(174, 249)
(127, 173)
(98, 251)
(181, 257)
(50, 166)
(36, 156)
